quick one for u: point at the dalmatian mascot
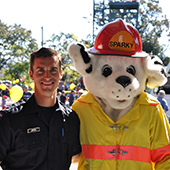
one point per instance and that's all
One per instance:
(121, 126)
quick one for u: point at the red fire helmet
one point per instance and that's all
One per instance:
(118, 38)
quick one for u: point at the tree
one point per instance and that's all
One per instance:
(152, 23)
(60, 43)
(17, 70)
(16, 44)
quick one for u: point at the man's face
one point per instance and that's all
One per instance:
(46, 76)
(25, 89)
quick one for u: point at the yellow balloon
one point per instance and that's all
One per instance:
(3, 86)
(72, 85)
(32, 85)
(67, 91)
(16, 93)
(14, 82)
(17, 80)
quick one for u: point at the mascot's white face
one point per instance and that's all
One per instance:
(117, 79)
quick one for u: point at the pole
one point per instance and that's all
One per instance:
(93, 21)
(42, 37)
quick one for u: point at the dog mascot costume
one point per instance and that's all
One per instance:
(122, 127)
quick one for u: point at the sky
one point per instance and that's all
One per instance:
(55, 16)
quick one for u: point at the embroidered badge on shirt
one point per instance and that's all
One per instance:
(33, 130)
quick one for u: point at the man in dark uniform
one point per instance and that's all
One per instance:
(40, 133)
(71, 97)
(63, 97)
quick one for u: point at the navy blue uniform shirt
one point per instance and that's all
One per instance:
(29, 142)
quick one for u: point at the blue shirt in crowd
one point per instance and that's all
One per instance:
(163, 103)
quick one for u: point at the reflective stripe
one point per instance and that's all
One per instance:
(160, 153)
(134, 153)
(81, 101)
(154, 104)
(104, 152)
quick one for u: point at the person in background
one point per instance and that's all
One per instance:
(6, 91)
(4, 97)
(63, 97)
(40, 133)
(26, 93)
(58, 95)
(71, 97)
(163, 102)
(80, 92)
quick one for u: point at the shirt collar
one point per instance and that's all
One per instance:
(34, 108)
(65, 110)
(133, 114)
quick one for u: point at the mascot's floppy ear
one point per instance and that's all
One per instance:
(155, 71)
(82, 60)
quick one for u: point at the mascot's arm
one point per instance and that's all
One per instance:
(160, 140)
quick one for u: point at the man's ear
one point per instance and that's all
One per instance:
(31, 74)
(61, 72)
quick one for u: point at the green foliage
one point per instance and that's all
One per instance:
(17, 70)
(16, 44)
(152, 23)
(70, 74)
(60, 43)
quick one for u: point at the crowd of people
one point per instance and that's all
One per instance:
(163, 102)
(68, 97)
(64, 94)
(5, 94)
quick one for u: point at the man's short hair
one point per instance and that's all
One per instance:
(43, 53)
(25, 86)
(161, 92)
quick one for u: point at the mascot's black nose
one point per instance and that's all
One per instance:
(123, 80)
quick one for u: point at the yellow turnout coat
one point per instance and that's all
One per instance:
(140, 140)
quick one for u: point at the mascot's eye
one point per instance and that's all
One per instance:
(131, 69)
(106, 70)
